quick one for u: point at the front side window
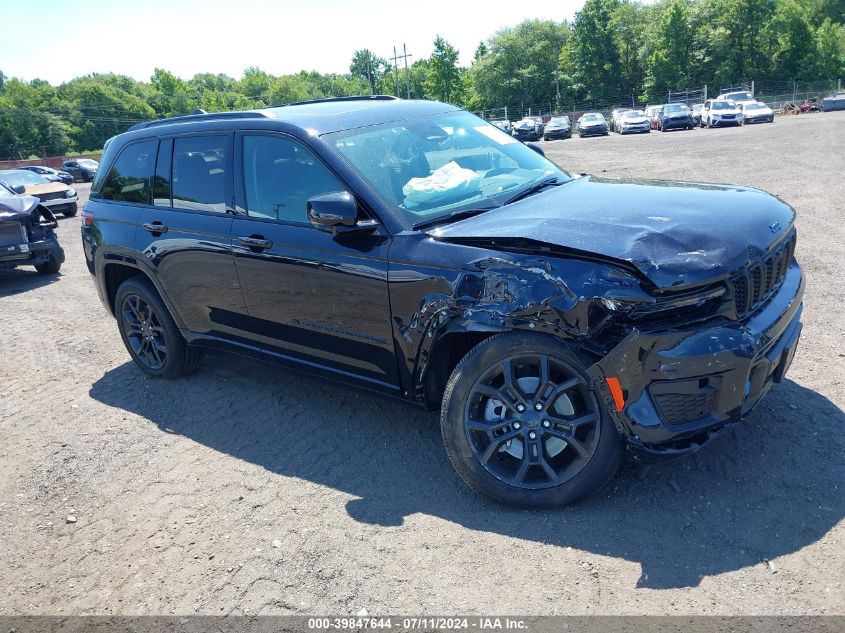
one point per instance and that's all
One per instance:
(280, 175)
(130, 176)
(200, 168)
(429, 167)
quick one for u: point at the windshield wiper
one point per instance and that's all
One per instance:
(535, 188)
(451, 217)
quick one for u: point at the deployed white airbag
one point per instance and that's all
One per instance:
(449, 183)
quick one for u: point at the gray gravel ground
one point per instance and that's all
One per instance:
(248, 489)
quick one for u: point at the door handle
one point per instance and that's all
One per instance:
(256, 242)
(155, 227)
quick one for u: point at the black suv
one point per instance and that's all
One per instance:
(412, 249)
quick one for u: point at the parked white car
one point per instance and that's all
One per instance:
(718, 112)
(738, 98)
(757, 112)
(633, 121)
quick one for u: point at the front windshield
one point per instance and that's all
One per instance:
(87, 162)
(723, 105)
(20, 177)
(740, 96)
(633, 114)
(592, 117)
(6, 193)
(753, 106)
(433, 166)
(674, 107)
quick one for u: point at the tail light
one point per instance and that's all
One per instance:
(87, 218)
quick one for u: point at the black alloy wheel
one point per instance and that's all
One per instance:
(144, 332)
(523, 424)
(149, 332)
(532, 421)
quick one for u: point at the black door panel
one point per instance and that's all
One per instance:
(314, 298)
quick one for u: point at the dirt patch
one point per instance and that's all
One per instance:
(248, 489)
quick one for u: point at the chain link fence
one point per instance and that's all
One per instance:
(776, 94)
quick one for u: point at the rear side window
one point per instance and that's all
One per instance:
(200, 167)
(130, 176)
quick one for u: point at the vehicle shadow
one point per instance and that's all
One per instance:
(767, 488)
(17, 280)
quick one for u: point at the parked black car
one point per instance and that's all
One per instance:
(674, 116)
(528, 129)
(27, 236)
(557, 127)
(592, 124)
(553, 320)
(84, 169)
(50, 174)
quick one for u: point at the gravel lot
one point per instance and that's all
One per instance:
(248, 489)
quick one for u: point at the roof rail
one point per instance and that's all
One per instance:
(249, 114)
(330, 99)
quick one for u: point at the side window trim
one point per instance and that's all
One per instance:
(165, 149)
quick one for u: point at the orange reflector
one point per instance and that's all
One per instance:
(616, 392)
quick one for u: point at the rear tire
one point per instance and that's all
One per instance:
(149, 332)
(546, 455)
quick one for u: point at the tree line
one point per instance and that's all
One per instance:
(614, 50)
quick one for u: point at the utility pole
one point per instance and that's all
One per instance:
(407, 72)
(395, 71)
(396, 57)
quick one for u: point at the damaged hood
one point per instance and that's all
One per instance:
(674, 233)
(17, 208)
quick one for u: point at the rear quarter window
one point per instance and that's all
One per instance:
(129, 179)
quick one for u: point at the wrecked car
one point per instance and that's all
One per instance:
(27, 235)
(554, 321)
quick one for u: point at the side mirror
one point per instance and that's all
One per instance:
(337, 212)
(19, 189)
(536, 147)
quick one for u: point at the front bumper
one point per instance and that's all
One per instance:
(671, 124)
(720, 121)
(59, 205)
(525, 135)
(682, 385)
(768, 118)
(639, 127)
(31, 253)
(552, 134)
(593, 130)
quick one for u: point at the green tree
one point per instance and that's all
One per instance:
(830, 51)
(593, 54)
(443, 79)
(520, 67)
(791, 40)
(667, 68)
(369, 67)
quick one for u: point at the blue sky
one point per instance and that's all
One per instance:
(57, 41)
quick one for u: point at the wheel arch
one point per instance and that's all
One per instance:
(116, 269)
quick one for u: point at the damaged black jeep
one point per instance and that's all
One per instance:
(27, 236)
(412, 249)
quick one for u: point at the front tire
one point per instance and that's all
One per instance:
(524, 425)
(50, 267)
(149, 332)
(71, 212)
